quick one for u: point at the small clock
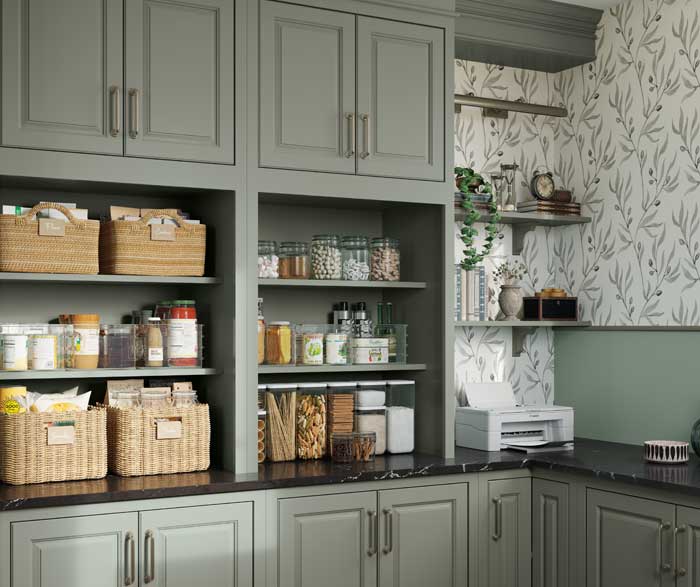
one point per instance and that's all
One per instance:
(542, 186)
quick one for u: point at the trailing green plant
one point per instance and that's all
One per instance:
(469, 182)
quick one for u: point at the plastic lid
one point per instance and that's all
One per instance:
(278, 324)
(311, 386)
(281, 386)
(183, 302)
(370, 408)
(400, 382)
(262, 386)
(342, 384)
(372, 383)
(155, 319)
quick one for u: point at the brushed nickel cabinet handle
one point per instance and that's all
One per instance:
(372, 533)
(129, 559)
(662, 566)
(149, 558)
(352, 130)
(366, 136)
(498, 518)
(388, 531)
(115, 111)
(134, 117)
(682, 550)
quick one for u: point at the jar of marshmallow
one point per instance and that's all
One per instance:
(268, 260)
(355, 256)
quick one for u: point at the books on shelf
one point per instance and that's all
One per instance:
(471, 294)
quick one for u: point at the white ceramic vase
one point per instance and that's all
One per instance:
(511, 301)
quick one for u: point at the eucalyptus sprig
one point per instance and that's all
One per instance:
(467, 179)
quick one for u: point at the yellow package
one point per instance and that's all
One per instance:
(10, 400)
(56, 402)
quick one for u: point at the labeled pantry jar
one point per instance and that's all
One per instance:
(279, 344)
(294, 261)
(268, 260)
(385, 259)
(86, 338)
(182, 334)
(326, 257)
(355, 255)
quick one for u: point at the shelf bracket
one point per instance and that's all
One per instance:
(519, 335)
(519, 233)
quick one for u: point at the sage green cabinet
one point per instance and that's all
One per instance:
(550, 533)
(180, 547)
(629, 541)
(307, 88)
(423, 536)
(400, 99)
(508, 543)
(350, 94)
(328, 540)
(179, 79)
(687, 547)
(85, 551)
(62, 75)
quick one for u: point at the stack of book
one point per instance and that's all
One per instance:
(562, 208)
(470, 294)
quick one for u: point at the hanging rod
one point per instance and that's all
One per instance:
(492, 104)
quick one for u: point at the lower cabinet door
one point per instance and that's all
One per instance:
(629, 541)
(328, 541)
(86, 551)
(509, 536)
(550, 533)
(687, 547)
(423, 536)
(207, 545)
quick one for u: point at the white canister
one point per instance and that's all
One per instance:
(312, 348)
(43, 352)
(15, 353)
(337, 349)
(370, 351)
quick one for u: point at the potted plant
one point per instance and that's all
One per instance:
(511, 297)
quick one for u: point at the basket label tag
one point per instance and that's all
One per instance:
(162, 232)
(51, 227)
(166, 429)
(59, 435)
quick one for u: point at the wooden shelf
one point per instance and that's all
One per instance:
(106, 279)
(342, 283)
(105, 373)
(288, 369)
(523, 324)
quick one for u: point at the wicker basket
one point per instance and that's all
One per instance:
(139, 446)
(23, 249)
(135, 248)
(26, 455)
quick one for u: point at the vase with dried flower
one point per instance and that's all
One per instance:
(511, 297)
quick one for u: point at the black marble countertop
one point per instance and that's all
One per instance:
(604, 460)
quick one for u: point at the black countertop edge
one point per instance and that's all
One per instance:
(593, 458)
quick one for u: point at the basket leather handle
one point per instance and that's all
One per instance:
(165, 214)
(27, 216)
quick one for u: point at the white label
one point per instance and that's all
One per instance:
(182, 339)
(87, 341)
(42, 351)
(59, 435)
(155, 354)
(14, 356)
(166, 429)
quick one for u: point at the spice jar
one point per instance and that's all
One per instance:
(154, 343)
(86, 331)
(355, 256)
(372, 420)
(278, 344)
(294, 261)
(184, 399)
(326, 257)
(268, 260)
(183, 334)
(385, 260)
(311, 421)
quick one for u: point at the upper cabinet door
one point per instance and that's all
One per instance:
(307, 88)
(180, 79)
(62, 75)
(400, 100)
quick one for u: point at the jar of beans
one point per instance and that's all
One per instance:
(385, 260)
(355, 258)
(268, 260)
(325, 257)
(294, 261)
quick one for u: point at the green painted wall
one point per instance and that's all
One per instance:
(629, 386)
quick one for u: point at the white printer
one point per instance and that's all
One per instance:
(493, 421)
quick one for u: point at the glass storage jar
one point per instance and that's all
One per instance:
(182, 334)
(184, 399)
(355, 255)
(385, 260)
(126, 399)
(294, 261)
(326, 257)
(155, 399)
(279, 344)
(268, 260)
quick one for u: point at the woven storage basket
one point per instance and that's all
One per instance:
(24, 250)
(134, 448)
(26, 457)
(127, 247)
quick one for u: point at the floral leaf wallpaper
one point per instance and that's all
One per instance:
(630, 151)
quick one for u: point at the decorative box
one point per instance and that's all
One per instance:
(541, 308)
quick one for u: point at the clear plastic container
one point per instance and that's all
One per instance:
(279, 344)
(280, 403)
(355, 258)
(184, 399)
(372, 420)
(127, 399)
(385, 260)
(268, 260)
(155, 399)
(400, 416)
(371, 394)
(341, 406)
(342, 447)
(117, 346)
(363, 446)
(262, 422)
(337, 348)
(311, 421)
(326, 257)
(294, 261)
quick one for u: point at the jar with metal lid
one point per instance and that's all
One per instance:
(268, 260)
(182, 334)
(326, 257)
(355, 256)
(385, 260)
(279, 344)
(294, 261)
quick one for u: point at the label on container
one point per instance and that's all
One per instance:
(14, 352)
(42, 352)
(166, 429)
(59, 435)
(162, 232)
(312, 349)
(50, 227)
(155, 354)
(87, 341)
(182, 339)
